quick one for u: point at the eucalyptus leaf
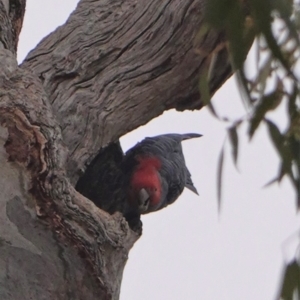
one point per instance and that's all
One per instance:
(234, 141)
(291, 281)
(278, 178)
(267, 103)
(219, 178)
(276, 136)
(283, 149)
(262, 11)
(292, 107)
(204, 88)
(205, 93)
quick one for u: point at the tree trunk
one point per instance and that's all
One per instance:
(113, 66)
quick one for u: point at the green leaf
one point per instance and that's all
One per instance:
(295, 150)
(219, 178)
(202, 33)
(286, 10)
(212, 110)
(283, 148)
(234, 141)
(292, 107)
(297, 18)
(278, 178)
(276, 136)
(262, 11)
(244, 89)
(217, 12)
(291, 281)
(284, 7)
(267, 103)
(281, 173)
(205, 92)
(229, 15)
(269, 183)
(204, 88)
(263, 74)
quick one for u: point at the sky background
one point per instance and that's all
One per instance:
(188, 251)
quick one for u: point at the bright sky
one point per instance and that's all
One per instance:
(188, 251)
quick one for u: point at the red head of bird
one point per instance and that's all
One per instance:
(156, 172)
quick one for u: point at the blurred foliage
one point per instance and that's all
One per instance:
(274, 26)
(290, 289)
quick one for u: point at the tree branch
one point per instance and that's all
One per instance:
(115, 65)
(34, 142)
(11, 20)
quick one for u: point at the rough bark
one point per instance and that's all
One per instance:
(112, 67)
(33, 174)
(115, 65)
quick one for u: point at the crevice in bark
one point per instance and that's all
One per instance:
(11, 20)
(16, 14)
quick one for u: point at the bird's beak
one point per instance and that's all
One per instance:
(143, 200)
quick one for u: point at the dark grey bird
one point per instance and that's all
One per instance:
(156, 172)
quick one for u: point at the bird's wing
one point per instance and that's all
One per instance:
(171, 171)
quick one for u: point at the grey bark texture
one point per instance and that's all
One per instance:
(113, 66)
(117, 64)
